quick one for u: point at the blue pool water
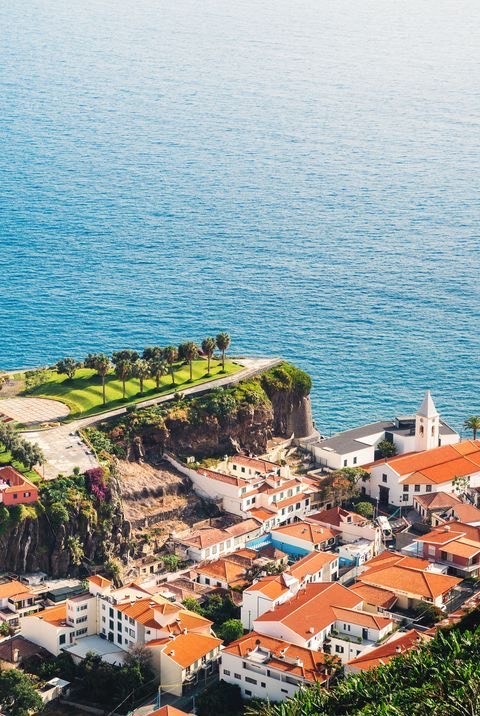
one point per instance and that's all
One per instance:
(304, 174)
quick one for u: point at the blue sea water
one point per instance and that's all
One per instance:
(304, 174)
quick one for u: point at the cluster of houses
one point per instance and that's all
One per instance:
(316, 587)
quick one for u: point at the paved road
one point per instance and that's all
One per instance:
(64, 450)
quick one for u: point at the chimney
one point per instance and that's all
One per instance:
(398, 649)
(16, 656)
(298, 661)
(172, 652)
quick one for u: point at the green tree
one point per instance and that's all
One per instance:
(365, 509)
(472, 424)
(191, 354)
(221, 699)
(77, 552)
(158, 368)
(231, 630)
(103, 366)
(386, 448)
(68, 367)
(193, 605)
(141, 370)
(171, 357)
(17, 693)
(171, 562)
(223, 342)
(4, 629)
(58, 514)
(123, 371)
(125, 354)
(151, 352)
(208, 348)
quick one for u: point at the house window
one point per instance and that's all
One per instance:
(242, 469)
(249, 693)
(284, 691)
(384, 478)
(263, 685)
(249, 680)
(417, 488)
(226, 672)
(237, 676)
(110, 612)
(297, 506)
(27, 494)
(405, 488)
(339, 649)
(62, 639)
(15, 495)
(79, 632)
(431, 550)
(405, 498)
(428, 488)
(354, 460)
(344, 463)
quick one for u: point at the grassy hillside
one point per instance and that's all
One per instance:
(83, 394)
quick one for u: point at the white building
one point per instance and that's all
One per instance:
(268, 668)
(357, 447)
(398, 480)
(267, 592)
(325, 617)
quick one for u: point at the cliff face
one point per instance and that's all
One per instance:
(248, 432)
(35, 545)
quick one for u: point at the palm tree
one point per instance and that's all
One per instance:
(473, 424)
(158, 368)
(141, 370)
(171, 356)
(208, 347)
(223, 342)
(102, 365)
(123, 371)
(191, 354)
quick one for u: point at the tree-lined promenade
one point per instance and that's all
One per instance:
(102, 382)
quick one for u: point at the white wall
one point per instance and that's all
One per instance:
(266, 687)
(45, 634)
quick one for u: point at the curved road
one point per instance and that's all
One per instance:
(64, 450)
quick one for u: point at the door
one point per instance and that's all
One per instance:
(383, 493)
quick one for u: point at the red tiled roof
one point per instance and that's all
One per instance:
(281, 656)
(393, 647)
(311, 608)
(338, 517)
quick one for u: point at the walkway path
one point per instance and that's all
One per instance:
(33, 410)
(64, 450)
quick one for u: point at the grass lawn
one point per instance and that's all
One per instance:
(6, 459)
(83, 394)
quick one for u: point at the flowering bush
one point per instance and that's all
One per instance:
(96, 483)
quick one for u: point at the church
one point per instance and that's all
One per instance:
(408, 433)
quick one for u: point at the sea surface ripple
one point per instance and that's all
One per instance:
(302, 174)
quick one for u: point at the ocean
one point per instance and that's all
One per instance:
(304, 175)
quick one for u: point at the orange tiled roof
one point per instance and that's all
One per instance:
(462, 548)
(15, 479)
(53, 615)
(221, 477)
(382, 654)
(465, 512)
(416, 582)
(262, 513)
(282, 656)
(255, 463)
(437, 500)
(186, 649)
(272, 586)
(167, 711)
(102, 582)
(338, 517)
(230, 572)
(439, 465)
(311, 564)
(306, 531)
(363, 619)
(311, 608)
(381, 598)
(11, 589)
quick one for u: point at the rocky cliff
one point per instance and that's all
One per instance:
(30, 544)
